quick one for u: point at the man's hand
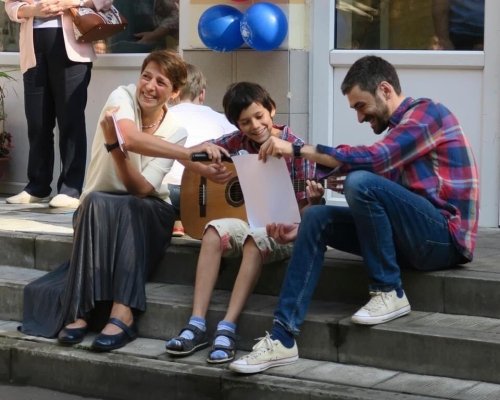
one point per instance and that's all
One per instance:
(315, 192)
(282, 233)
(145, 37)
(275, 147)
(213, 151)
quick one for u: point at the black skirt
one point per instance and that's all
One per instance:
(117, 241)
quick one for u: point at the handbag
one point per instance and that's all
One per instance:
(91, 25)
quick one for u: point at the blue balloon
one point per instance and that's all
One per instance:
(219, 28)
(264, 26)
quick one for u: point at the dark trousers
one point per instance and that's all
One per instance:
(55, 90)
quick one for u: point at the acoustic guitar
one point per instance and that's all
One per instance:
(202, 200)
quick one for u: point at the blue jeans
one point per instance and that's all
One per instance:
(385, 223)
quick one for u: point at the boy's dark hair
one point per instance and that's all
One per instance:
(171, 64)
(368, 72)
(241, 95)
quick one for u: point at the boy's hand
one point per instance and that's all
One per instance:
(315, 192)
(336, 183)
(282, 233)
(218, 173)
(275, 147)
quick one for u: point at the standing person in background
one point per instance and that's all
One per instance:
(459, 24)
(153, 25)
(56, 73)
(202, 124)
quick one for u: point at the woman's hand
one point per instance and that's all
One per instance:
(108, 126)
(48, 8)
(214, 152)
(315, 192)
(282, 233)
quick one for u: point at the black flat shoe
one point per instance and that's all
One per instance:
(70, 336)
(104, 342)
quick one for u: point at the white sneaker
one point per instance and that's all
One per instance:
(24, 198)
(265, 354)
(64, 201)
(382, 307)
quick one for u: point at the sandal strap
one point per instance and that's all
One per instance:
(227, 349)
(230, 349)
(193, 328)
(129, 330)
(188, 344)
(224, 332)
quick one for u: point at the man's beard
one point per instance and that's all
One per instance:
(381, 117)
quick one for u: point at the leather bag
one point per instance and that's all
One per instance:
(91, 25)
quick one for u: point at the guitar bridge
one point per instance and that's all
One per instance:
(202, 197)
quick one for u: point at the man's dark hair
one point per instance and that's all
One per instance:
(368, 72)
(241, 95)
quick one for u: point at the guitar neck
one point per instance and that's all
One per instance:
(299, 185)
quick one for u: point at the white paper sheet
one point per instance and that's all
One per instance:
(267, 189)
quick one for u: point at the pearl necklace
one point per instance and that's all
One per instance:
(155, 123)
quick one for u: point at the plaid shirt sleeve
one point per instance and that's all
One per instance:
(232, 142)
(300, 168)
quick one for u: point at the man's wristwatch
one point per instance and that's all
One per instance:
(111, 147)
(297, 147)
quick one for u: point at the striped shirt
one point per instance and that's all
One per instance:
(299, 168)
(426, 151)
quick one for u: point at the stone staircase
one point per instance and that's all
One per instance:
(448, 347)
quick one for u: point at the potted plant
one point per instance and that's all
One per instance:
(5, 137)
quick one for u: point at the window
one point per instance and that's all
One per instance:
(9, 39)
(153, 24)
(410, 24)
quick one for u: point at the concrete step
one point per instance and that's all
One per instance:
(458, 346)
(468, 290)
(142, 370)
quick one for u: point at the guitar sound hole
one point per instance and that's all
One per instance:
(234, 194)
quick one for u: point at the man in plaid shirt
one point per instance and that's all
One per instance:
(413, 202)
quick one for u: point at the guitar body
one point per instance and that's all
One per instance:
(202, 201)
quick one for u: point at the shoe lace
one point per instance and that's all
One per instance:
(264, 345)
(377, 301)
